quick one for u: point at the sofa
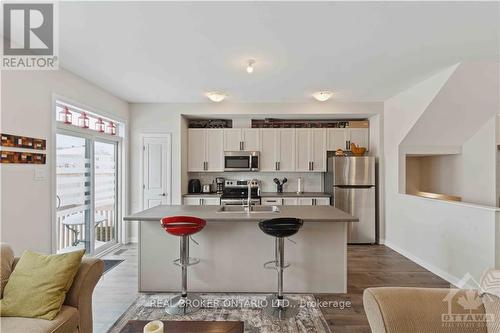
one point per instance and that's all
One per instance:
(436, 310)
(76, 313)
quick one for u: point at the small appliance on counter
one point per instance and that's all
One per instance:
(194, 186)
(279, 184)
(207, 188)
(219, 185)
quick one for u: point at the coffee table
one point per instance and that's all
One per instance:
(137, 326)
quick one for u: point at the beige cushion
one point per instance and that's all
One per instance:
(492, 306)
(490, 282)
(65, 322)
(6, 261)
(419, 310)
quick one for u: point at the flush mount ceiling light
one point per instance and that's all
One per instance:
(322, 96)
(215, 96)
(250, 64)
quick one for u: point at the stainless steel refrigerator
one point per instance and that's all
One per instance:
(351, 182)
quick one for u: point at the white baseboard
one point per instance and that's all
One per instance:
(433, 269)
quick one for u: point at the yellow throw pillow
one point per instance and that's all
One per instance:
(38, 285)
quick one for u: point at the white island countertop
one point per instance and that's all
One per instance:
(211, 213)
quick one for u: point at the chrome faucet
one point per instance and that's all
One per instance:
(249, 198)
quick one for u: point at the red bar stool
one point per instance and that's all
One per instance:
(184, 227)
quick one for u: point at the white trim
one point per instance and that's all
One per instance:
(87, 132)
(433, 269)
(85, 107)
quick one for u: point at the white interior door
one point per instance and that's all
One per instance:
(156, 171)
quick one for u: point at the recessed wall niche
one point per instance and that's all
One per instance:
(434, 176)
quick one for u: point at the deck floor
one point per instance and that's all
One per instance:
(368, 266)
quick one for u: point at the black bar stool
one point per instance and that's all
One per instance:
(280, 228)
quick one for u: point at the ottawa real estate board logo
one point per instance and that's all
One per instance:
(29, 36)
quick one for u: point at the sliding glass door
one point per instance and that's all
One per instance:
(73, 193)
(87, 193)
(105, 194)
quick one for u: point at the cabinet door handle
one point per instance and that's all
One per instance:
(279, 166)
(312, 166)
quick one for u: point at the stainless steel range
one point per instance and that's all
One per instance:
(236, 192)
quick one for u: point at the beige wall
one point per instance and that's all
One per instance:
(26, 109)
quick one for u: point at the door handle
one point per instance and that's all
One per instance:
(312, 166)
(279, 166)
(276, 166)
(162, 195)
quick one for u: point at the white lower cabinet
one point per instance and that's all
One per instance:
(202, 201)
(305, 201)
(291, 201)
(271, 201)
(322, 202)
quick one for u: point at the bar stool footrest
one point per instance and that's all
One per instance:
(273, 264)
(191, 261)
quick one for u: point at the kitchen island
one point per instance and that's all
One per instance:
(232, 250)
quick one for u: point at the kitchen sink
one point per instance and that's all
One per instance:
(243, 209)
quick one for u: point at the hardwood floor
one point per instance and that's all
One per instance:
(373, 266)
(367, 265)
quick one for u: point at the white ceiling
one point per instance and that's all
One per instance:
(174, 52)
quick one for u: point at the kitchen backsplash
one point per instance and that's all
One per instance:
(311, 181)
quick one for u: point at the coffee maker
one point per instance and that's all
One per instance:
(219, 185)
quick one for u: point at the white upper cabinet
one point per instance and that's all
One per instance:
(232, 139)
(247, 139)
(268, 159)
(318, 149)
(205, 150)
(311, 149)
(359, 136)
(303, 148)
(337, 138)
(286, 149)
(196, 150)
(215, 150)
(251, 139)
(341, 138)
(277, 151)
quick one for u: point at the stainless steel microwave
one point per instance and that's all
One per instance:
(241, 160)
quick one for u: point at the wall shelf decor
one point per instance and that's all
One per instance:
(10, 140)
(17, 157)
